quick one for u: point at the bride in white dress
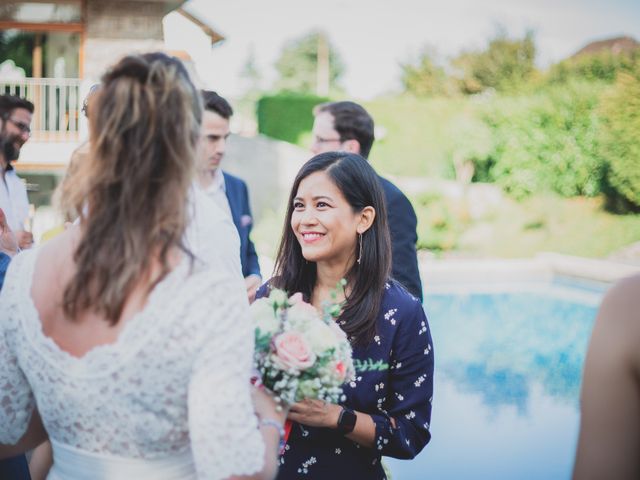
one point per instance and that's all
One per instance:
(116, 343)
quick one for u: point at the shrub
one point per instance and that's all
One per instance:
(441, 221)
(620, 136)
(603, 66)
(546, 142)
(286, 116)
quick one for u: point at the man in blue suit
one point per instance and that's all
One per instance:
(347, 126)
(229, 192)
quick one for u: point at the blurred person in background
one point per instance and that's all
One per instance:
(16, 114)
(609, 439)
(347, 126)
(227, 191)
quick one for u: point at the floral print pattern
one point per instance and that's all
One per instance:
(400, 386)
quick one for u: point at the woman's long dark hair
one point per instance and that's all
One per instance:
(359, 184)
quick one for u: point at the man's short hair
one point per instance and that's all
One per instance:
(8, 103)
(352, 122)
(215, 103)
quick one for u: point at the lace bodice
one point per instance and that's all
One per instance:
(175, 379)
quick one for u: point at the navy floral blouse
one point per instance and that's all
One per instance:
(394, 379)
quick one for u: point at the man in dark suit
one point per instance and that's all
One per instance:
(229, 192)
(347, 126)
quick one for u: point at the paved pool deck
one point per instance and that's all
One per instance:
(542, 267)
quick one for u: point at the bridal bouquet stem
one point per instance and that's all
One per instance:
(300, 352)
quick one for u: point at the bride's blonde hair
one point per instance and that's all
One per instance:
(131, 190)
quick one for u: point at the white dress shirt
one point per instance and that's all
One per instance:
(211, 234)
(217, 192)
(13, 200)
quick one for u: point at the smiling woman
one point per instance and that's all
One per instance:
(336, 228)
(324, 223)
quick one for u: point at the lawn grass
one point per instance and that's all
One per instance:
(544, 223)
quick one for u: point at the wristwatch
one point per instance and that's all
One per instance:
(346, 421)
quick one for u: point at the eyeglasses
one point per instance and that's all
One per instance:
(317, 139)
(23, 127)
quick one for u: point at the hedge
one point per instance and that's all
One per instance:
(286, 116)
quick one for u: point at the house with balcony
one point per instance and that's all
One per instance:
(53, 51)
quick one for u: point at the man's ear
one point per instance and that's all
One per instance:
(351, 146)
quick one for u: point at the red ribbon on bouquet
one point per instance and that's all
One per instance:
(287, 430)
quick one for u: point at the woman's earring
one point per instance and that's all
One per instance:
(360, 253)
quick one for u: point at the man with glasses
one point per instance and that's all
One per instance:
(16, 114)
(347, 126)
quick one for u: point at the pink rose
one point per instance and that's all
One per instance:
(341, 371)
(293, 351)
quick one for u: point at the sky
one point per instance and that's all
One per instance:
(374, 36)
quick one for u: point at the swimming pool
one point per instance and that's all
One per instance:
(508, 368)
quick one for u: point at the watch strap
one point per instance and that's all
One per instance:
(347, 420)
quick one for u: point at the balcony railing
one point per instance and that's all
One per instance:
(57, 105)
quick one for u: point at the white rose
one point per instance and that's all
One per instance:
(301, 315)
(321, 337)
(264, 318)
(279, 297)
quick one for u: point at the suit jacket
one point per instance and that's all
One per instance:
(4, 265)
(238, 197)
(402, 225)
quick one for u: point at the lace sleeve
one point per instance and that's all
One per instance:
(16, 402)
(225, 439)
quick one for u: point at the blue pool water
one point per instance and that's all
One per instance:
(507, 382)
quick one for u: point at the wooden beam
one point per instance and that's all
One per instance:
(37, 56)
(42, 27)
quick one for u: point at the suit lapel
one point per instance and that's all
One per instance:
(234, 204)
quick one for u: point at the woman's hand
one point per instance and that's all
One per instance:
(315, 413)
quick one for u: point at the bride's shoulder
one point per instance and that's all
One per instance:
(214, 288)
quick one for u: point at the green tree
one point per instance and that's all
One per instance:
(620, 136)
(505, 65)
(298, 64)
(595, 66)
(422, 76)
(17, 46)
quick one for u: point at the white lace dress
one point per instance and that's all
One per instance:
(169, 399)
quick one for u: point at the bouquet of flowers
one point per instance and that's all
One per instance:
(300, 353)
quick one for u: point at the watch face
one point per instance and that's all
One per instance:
(347, 420)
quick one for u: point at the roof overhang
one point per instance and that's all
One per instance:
(188, 12)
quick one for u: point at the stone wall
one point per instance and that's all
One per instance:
(117, 28)
(269, 168)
